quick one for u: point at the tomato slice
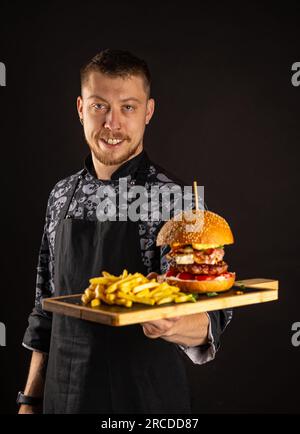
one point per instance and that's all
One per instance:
(171, 272)
(208, 251)
(186, 276)
(204, 277)
(199, 277)
(227, 275)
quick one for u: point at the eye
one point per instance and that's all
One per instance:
(99, 106)
(129, 108)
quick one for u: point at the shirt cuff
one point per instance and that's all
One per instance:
(202, 353)
(33, 349)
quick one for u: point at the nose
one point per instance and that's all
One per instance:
(112, 120)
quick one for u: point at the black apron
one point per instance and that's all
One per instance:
(95, 368)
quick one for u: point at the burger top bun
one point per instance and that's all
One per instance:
(195, 226)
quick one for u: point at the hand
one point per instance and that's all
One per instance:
(159, 277)
(30, 409)
(160, 328)
(188, 330)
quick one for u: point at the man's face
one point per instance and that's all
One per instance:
(115, 108)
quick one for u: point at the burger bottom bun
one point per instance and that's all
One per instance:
(216, 285)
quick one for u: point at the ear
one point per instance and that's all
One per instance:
(150, 110)
(80, 107)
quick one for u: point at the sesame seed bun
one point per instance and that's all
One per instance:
(200, 227)
(214, 285)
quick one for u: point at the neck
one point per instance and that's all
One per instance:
(104, 171)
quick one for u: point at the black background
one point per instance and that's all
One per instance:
(226, 115)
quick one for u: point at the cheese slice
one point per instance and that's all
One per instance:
(184, 259)
(205, 246)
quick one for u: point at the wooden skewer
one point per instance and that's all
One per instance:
(196, 195)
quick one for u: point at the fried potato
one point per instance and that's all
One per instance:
(96, 302)
(166, 299)
(127, 288)
(145, 286)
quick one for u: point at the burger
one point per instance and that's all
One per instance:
(195, 260)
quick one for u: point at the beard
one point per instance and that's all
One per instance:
(109, 159)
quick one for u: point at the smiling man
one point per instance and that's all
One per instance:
(83, 367)
(114, 109)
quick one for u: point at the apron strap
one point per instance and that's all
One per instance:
(142, 171)
(71, 193)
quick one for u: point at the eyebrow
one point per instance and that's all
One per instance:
(132, 98)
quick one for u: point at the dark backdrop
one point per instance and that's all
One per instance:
(227, 115)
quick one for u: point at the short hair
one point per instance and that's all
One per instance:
(117, 63)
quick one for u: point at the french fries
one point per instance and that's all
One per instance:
(126, 289)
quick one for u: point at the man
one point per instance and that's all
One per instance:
(82, 367)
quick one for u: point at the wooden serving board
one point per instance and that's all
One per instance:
(254, 291)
